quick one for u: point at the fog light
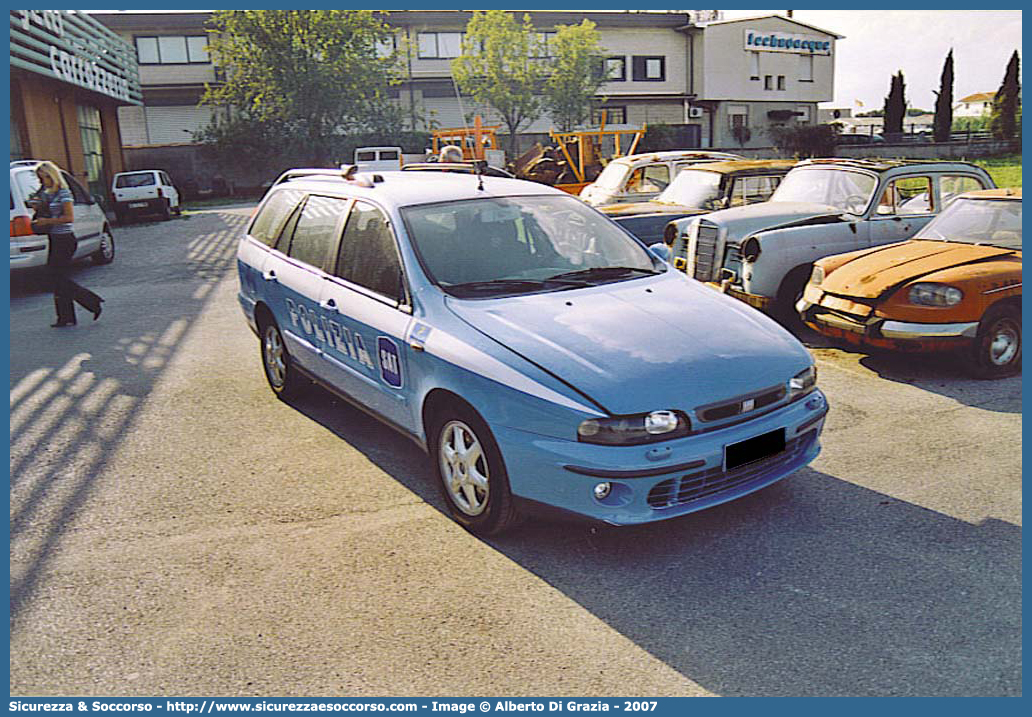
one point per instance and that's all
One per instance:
(602, 490)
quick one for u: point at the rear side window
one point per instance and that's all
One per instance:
(267, 225)
(366, 156)
(389, 154)
(137, 179)
(315, 236)
(79, 194)
(368, 256)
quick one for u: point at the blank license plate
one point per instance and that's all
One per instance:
(137, 205)
(754, 449)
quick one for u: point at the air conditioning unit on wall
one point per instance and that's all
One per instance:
(694, 113)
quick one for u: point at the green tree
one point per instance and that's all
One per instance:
(576, 74)
(1003, 120)
(296, 82)
(943, 123)
(895, 105)
(501, 66)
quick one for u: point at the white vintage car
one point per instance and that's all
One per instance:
(763, 253)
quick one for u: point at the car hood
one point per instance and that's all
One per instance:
(742, 222)
(873, 273)
(645, 344)
(618, 211)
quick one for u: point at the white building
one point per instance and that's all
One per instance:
(717, 83)
(976, 105)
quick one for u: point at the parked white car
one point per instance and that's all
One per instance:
(28, 249)
(378, 159)
(145, 191)
(640, 177)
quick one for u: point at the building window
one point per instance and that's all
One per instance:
(175, 50)
(386, 48)
(781, 82)
(616, 69)
(806, 68)
(92, 147)
(439, 45)
(613, 115)
(738, 115)
(754, 65)
(768, 82)
(648, 69)
(544, 45)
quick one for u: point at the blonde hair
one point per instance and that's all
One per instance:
(50, 169)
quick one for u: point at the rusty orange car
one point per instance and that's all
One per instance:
(955, 286)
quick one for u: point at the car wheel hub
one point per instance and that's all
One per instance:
(464, 468)
(275, 359)
(1004, 343)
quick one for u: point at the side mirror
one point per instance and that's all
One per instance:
(660, 250)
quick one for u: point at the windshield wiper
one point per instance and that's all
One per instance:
(603, 273)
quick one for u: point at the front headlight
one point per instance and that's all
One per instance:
(802, 383)
(634, 429)
(817, 275)
(929, 294)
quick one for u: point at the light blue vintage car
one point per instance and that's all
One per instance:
(539, 353)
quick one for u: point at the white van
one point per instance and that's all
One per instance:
(378, 159)
(146, 191)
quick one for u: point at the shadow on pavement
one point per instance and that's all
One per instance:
(812, 587)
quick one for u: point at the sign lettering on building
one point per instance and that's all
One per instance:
(74, 48)
(786, 42)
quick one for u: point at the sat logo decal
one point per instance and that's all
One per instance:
(390, 361)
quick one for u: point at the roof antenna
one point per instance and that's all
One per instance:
(479, 167)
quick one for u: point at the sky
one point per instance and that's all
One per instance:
(879, 43)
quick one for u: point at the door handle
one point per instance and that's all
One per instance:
(269, 275)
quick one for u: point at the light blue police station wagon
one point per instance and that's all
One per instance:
(544, 358)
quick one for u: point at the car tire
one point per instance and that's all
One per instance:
(166, 212)
(277, 363)
(106, 253)
(789, 293)
(996, 351)
(121, 218)
(470, 472)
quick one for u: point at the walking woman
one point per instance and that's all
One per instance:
(54, 217)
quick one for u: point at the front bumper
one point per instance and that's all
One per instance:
(756, 301)
(879, 332)
(657, 481)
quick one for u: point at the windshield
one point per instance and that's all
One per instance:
(996, 222)
(140, 179)
(507, 245)
(843, 189)
(693, 188)
(28, 181)
(612, 176)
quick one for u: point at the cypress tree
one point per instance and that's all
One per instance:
(944, 102)
(1004, 118)
(895, 105)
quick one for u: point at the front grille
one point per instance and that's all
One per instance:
(703, 251)
(736, 406)
(696, 486)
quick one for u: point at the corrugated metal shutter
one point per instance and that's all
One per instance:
(132, 125)
(175, 125)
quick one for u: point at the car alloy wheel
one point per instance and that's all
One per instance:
(276, 362)
(464, 468)
(471, 471)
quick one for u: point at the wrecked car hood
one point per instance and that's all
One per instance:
(742, 222)
(875, 272)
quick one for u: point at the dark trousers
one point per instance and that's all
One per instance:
(66, 291)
